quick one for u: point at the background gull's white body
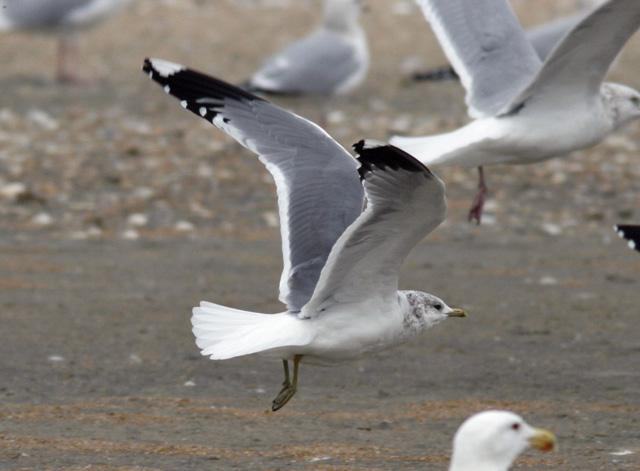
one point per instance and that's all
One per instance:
(531, 136)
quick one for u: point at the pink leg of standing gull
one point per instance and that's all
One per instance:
(67, 53)
(475, 213)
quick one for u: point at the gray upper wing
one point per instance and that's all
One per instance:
(405, 202)
(319, 193)
(546, 36)
(487, 47)
(576, 68)
(319, 63)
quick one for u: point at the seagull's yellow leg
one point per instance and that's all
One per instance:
(288, 387)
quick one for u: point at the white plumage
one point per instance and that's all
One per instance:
(492, 440)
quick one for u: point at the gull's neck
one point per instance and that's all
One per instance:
(341, 19)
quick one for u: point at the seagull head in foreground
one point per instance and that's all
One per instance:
(492, 440)
(341, 256)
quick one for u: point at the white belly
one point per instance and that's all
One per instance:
(343, 336)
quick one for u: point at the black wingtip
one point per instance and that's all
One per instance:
(630, 233)
(382, 156)
(200, 93)
(146, 66)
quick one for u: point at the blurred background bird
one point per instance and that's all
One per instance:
(63, 18)
(333, 59)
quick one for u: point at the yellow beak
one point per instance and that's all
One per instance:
(457, 313)
(543, 440)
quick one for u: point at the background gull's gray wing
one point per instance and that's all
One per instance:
(319, 194)
(487, 47)
(405, 202)
(546, 36)
(44, 14)
(543, 38)
(575, 69)
(319, 63)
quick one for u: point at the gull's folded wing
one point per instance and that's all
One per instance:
(405, 202)
(319, 194)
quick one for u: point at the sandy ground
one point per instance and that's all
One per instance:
(119, 212)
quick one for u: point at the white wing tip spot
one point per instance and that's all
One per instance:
(165, 68)
(373, 144)
(632, 245)
(167, 89)
(203, 111)
(184, 104)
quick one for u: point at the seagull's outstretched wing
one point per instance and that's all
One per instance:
(319, 194)
(543, 38)
(630, 233)
(575, 69)
(487, 47)
(405, 202)
(546, 36)
(320, 63)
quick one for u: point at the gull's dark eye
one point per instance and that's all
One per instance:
(438, 307)
(515, 426)
(635, 100)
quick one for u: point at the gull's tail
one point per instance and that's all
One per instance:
(223, 332)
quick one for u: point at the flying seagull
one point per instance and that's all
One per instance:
(492, 440)
(341, 262)
(332, 60)
(61, 17)
(630, 233)
(526, 111)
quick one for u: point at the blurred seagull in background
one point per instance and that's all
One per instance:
(341, 262)
(526, 111)
(61, 17)
(630, 233)
(333, 60)
(492, 440)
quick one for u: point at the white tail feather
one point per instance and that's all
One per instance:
(222, 332)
